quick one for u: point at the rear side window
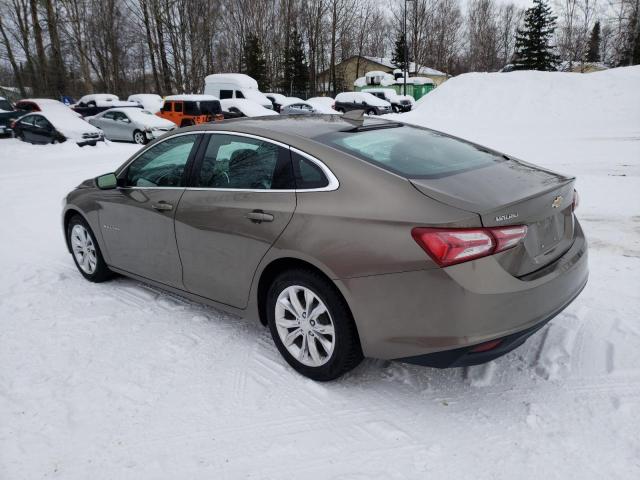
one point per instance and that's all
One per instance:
(235, 162)
(307, 174)
(177, 107)
(167, 106)
(226, 94)
(412, 152)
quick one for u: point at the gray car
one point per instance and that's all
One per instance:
(346, 238)
(131, 125)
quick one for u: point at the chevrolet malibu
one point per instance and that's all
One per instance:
(347, 238)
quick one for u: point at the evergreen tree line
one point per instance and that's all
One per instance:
(72, 47)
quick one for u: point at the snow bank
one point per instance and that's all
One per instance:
(534, 103)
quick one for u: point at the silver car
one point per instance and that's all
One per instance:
(131, 124)
(298, 108)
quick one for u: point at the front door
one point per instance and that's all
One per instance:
(137, 218)
(241, 199)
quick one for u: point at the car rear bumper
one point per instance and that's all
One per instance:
(412, 314)
(467, 356)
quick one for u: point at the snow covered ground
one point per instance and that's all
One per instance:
(121, 380)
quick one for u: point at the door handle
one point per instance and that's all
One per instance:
(258, 216)
(162, 206)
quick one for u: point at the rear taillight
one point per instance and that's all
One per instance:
(13, 125)
(456, 245)
(576, 200)
(333, 106)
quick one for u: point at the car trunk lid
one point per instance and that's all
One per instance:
(514, 193)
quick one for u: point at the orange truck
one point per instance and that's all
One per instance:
(184, 110)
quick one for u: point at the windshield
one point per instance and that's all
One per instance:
(412, 152)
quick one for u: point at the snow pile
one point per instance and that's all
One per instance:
(531, 105)
(68, 123)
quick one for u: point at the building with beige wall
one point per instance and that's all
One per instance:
(357, 66)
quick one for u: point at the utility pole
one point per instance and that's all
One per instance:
(405, 69)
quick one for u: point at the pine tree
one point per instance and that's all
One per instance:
(399, 57)
(593, 50)
(533, 49)
(296, 72)
(255, 63)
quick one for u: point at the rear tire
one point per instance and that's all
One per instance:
(86, 251)
(321, 338)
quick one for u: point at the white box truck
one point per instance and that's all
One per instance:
(235, 85)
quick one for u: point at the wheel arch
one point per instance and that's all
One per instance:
(68, 214)
(282, 264)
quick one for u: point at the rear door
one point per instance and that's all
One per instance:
(137, 218)
(240, 200)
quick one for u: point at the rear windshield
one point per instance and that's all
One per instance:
(411, 152)
(5, 105)
(206, 107)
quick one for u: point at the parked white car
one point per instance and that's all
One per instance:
(277, 100)
(103, 100)
(131, 125)
(241, 107)
(148, 101)
(235, 85)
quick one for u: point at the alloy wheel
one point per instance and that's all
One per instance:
(84, 249)
(304, 325)
(138, 137)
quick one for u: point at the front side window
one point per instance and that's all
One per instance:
(28, 120)
(162, 165)
(239, 94)
(237, 162)
(412, 152)
(177, 107)
(41, 122)
(167, 107)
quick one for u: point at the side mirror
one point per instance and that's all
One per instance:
(108, 181)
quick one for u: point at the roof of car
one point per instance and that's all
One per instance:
(307, 126)
(191, 98)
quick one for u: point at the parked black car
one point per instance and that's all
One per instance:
(372, 105)
(7, 115)
(58, 127)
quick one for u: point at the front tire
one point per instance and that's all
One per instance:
(139, 137)
(86, 252)
(311, 325)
